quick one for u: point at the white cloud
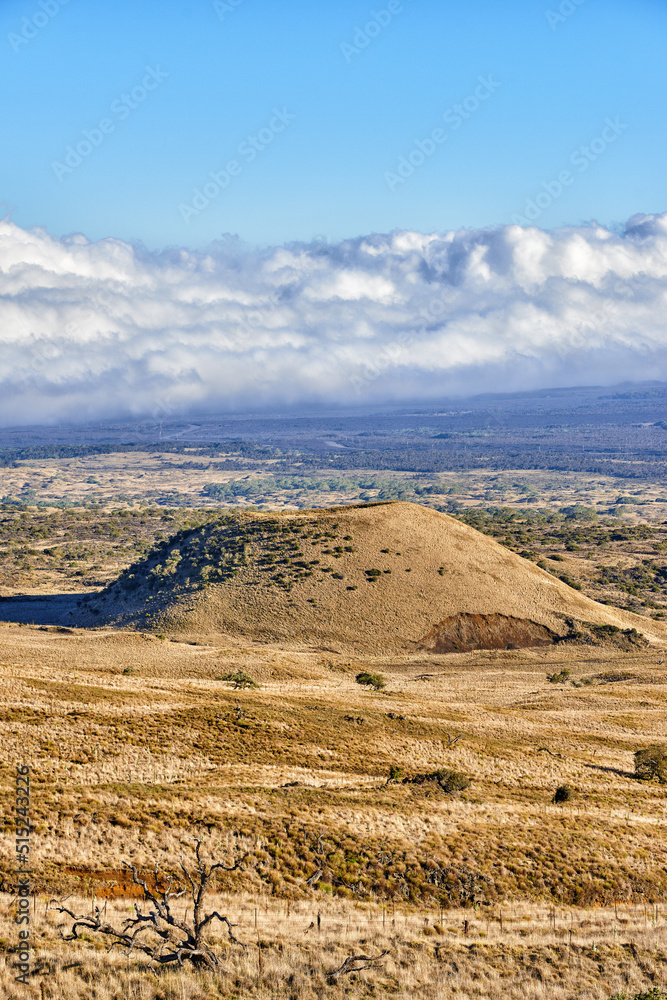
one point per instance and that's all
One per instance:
(93, 330)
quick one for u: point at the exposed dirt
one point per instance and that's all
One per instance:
(464, 632)
(116, 883)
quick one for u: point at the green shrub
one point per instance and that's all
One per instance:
(375, 681)
(559, 678)
(605, 629)
(452, 781)
(395, 773)
(240, 680)
(449, 781)
(562, 794)
(651, 762)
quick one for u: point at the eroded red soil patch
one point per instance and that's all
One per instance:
(464, 632)
(117, 883)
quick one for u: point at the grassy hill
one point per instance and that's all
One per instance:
(372, 577)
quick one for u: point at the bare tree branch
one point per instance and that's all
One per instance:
(315, 877)
(165, 937)
(351, 964)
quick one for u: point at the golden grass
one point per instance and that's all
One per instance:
(126, 766)
(510, 952)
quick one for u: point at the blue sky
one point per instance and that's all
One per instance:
(327, 164)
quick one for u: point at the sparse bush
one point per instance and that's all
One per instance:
(449, 781)
(375, 681)
(651, 762)
(559, 678)
(395, 773)
(605, 629)
(452, 781)
(562, 794)
(240, 680)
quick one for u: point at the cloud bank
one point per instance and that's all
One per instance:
(98, 330)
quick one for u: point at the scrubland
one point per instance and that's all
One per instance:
(136, 743)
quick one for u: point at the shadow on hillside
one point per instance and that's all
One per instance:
(610, 770)
(40, 609)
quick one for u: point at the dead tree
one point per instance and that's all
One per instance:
(159, 932)
(352, 964)
(315, 877)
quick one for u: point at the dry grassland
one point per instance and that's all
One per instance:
(519, 952)
(135, 743)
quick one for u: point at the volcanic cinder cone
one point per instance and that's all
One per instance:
(372, 577)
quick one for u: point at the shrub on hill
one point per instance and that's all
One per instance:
(449, 781)
(562, 794)
(452, 781)
(240, 680)
(651, 763)
(559, 678)
(376, 681)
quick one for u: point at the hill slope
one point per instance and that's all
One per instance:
(373, 577)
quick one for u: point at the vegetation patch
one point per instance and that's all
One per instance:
(446, 779)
